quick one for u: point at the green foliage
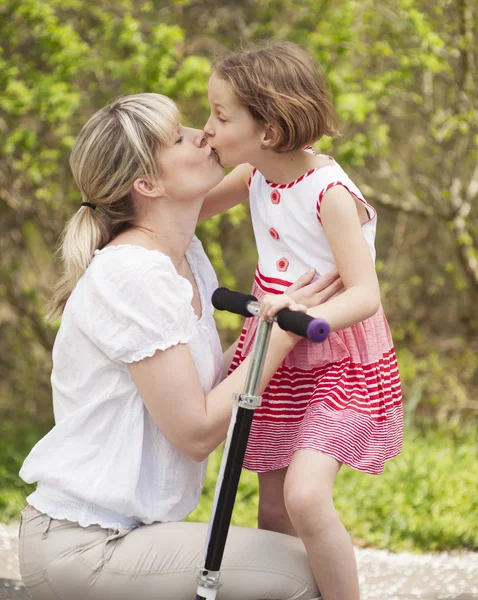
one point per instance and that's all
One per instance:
(16, 439)
(60, 62)
(423, 501)
(403, 77)
(75, 57)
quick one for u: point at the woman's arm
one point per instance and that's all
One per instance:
(311, 293)
(169, 385)
(232, 190)
(228, 356)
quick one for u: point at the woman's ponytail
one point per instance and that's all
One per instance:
(85, 232)
(118, 145)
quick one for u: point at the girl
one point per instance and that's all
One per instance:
(328, 405)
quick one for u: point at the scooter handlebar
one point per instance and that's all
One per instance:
(316, 330)
(235, 302)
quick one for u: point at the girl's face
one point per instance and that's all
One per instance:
(189, 167)
(231, 130)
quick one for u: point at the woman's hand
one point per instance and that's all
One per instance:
(303, 294)
(312, 293)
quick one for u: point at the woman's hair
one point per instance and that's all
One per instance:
(280, 84)
(117, 145)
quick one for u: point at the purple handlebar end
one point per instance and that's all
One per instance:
(318, 330)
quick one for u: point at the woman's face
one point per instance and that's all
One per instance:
(189, 166)
(231, 130)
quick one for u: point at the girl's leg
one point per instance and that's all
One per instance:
(273, 515)
(61, 560)
(308, 498)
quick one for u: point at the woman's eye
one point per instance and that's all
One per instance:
(179, 140)
(221, 120)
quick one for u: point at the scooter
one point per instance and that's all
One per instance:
(316, 330)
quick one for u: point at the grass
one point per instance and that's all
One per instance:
(425, 500)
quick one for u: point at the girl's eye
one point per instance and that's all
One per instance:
(221, 120)
(179, 140)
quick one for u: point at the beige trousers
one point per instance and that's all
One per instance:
(59, 560)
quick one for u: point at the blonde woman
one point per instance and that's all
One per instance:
(137, 392)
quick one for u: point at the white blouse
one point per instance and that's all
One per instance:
(105, 461)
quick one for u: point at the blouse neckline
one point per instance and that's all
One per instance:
(190, 260)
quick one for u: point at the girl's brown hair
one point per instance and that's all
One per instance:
(281, 85)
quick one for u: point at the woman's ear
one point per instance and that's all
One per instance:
(270, 136)
(144, 187)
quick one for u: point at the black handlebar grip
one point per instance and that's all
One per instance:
(316, 330)
(235, 302)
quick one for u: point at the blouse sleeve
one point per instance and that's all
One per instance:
(134, 303)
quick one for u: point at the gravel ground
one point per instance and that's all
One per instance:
(383, 575)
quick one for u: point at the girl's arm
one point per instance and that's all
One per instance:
(232, 190)
(193, 422)
(361, 296)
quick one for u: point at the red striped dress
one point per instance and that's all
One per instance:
(341, 397)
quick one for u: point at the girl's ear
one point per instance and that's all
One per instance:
(144, 187)
(270, 136)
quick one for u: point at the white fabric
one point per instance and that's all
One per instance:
(105, 461)
(295, 217)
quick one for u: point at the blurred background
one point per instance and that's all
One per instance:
(404, 79)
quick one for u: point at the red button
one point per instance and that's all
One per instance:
(275, 197)
(273, 233)
(282, 264)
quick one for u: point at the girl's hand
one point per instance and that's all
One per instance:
(272, 304)
(312, 293)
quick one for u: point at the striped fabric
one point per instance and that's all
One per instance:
(341, 397)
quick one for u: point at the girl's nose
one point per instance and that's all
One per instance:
(208, 130)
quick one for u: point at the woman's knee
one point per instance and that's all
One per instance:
(265, 564)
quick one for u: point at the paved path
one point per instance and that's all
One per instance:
(12, 590)
(404, 576)
(383, 575)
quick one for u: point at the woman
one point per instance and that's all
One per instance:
(137, 392)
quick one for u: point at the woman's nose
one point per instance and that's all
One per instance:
(199, 138)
